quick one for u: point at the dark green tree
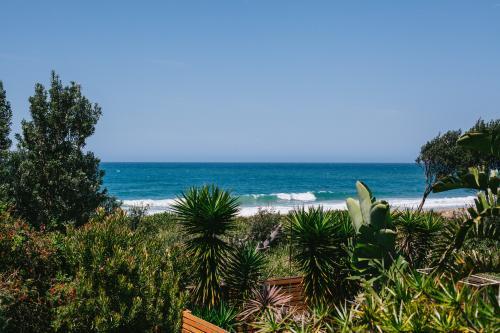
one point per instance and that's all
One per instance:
(5, 122)
(442, 156)
(56, 182)
(5, 142)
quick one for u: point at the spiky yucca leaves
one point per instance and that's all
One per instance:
(243, 271)
(407, 302)
(410, 302)
(317, 246)
(416, 235)
(223, 315)
(265, 299)
(206, 214)
(273, 322)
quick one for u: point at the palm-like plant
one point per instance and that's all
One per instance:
(268, 299)
(243, 271)
(206, 214)
(318, 247)
(416, 233)
(223, 315)
(273, 322)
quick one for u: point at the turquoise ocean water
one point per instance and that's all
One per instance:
(281, 186)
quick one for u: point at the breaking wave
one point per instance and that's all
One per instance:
(284, 202)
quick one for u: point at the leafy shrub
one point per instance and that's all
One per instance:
(279, 263)
(163, 225)
(118, 282)
(263, 224)
(29, 263)
(136, 214)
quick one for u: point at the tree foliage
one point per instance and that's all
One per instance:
(5, 120)
(54, 180)
(5, 141)
(442, 155)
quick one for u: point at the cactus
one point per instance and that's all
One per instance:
(375, 235)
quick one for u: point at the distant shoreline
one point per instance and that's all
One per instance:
(435, 204)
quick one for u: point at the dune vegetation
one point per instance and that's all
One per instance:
(72, 261)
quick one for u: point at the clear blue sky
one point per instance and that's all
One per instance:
(261, 80)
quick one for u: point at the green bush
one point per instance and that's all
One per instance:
(29, 263)
(118, 282)
(279, 263)
(263, 224)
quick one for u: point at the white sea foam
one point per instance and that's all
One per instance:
(433, 203)
(153, 206)
(306, 196)
(157, 206)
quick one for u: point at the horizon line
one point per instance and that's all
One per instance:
(255, 162)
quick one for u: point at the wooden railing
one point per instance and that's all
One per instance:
(290, 286)
(193, 324)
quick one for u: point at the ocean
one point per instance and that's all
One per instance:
(278, 186)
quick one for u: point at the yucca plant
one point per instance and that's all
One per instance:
(317, 247)
(223, 315)
(265, 299)
(273, 322)
(206, 214)
(416, 233)
(342, 319)
(243, 271)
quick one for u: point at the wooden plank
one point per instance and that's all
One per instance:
(202, 325)
(197, 325)
(297, 277)
(479, 281)
(291, 286)
(192, 329)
